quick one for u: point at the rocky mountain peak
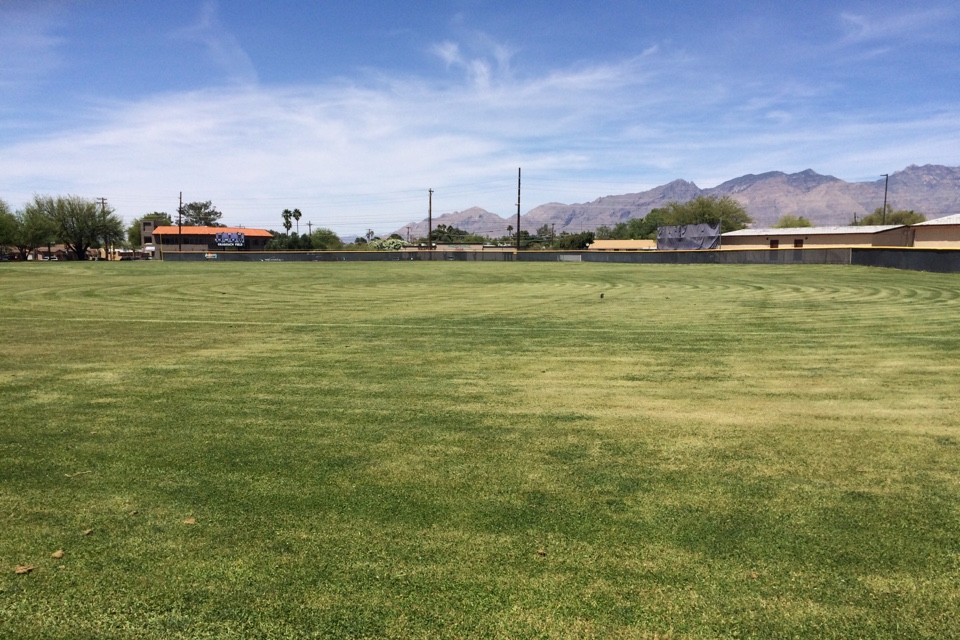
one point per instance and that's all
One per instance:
(933, 190)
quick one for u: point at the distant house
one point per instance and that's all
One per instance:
(173, 238)
(819, 237)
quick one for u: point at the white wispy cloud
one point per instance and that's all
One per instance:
(896, 25)
(29, 47)
(360, 153)
(222, 47)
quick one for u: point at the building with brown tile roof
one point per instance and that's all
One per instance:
(174, 238)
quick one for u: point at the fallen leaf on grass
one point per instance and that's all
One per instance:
(541, 552)
(23, 569)
(190, 521)
(88, 532)
(57, 554)
(754, 575)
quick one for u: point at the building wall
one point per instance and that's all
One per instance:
(893, 238)
(937, 236)
(787, 241)
(146, 231)
(622, 245)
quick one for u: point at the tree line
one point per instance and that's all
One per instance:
(81, 224)
(77, 223)
(879, 217)
(725, 211)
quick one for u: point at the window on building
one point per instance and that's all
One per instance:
(798, 243)
(774, 244)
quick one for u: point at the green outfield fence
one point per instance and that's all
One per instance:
(938, 260)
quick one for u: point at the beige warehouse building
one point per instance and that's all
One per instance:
(819, 237)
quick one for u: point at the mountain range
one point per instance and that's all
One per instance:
(933, 190)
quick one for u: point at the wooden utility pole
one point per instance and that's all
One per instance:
(430, 222)
(309, 227)
(180, 226)
(883, 219)
(103, 212)
(518, 209)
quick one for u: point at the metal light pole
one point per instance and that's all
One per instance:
(883, 219)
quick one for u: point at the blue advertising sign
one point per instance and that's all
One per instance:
(230, 239)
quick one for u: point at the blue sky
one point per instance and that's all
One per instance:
(350, 111)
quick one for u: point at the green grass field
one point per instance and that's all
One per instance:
(478, 450)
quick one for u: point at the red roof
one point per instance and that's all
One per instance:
(211, 231)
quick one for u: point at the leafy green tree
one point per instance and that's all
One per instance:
(287, 215)
(545, 234)
(133, 231)
(792, 222)
(603, 232)
(289, 242)
(648, 229)
(296, 242)
(644, 228)
(35, 226)
(201, 214)
(296, 216)
(448, 234)
(79, 223)
(631, 229)
(279, 242)
(526, 240)
(326, 240)
(542, 238)
(708, 210)
(899, 216)
(8, 227)
(305, 242)
(574, 241)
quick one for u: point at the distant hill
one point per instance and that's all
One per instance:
(474, 220)
(608, 210)
(933, 190)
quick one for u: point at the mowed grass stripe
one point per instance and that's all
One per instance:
(740, 332)
(478, 450)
